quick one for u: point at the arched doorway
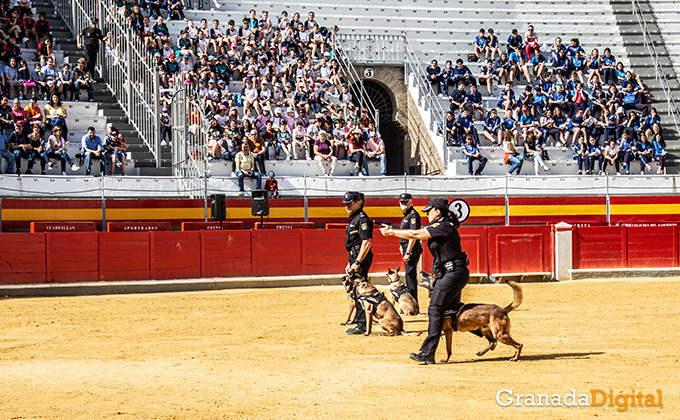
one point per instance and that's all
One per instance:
(392, 133)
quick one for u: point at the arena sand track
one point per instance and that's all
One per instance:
(281, 354)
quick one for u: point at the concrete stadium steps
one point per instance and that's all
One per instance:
(294, 168)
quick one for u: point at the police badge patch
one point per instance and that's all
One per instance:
(364, 226)
(413, 221)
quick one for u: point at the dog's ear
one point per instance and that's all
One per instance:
(389, 271)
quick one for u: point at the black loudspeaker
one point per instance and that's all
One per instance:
(260, 203)
(218, 208)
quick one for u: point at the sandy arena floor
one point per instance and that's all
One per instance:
(281, 354)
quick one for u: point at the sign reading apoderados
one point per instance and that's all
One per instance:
(595, 398)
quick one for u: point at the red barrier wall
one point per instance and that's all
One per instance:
(226, 225)
(175, 255)
(22, 259)
(324, 251)
(125, 256)
(626, 247)
(474, 241)
(72, 257)
(520, 249)
(226, 253)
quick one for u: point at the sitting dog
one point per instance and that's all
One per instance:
(491, 320)
(398, 293)
(349, 289)
(376, 306)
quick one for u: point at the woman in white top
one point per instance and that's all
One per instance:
(611, 156)
(56, 148)
(511, 156)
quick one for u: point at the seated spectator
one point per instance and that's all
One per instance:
(509, 125)
(434, 76)
(593, 64)
(538, 64)
(461, 73)
(634, 100)
(540, 101)
(42, 26)
(526, 100)
(50, 75)
(632, 125)
(475, 99)
(466, 125)
(460, 99)
(66, 82)
(449, 127)
(272, 185)
(357, 152)
(33, 113)
(23, 146)
(506, 98)
(575, 47)
(161, 33)
(175, 8)
(611, 156)
(92, 148)
(659, 146)
(594, 154)
(512, 157)
(29, 26)
(644, 151)
(56, 149)
(532, 45)
(323, 152)
(561, 65)
(55, 114)
(580, 155)
(492, 43)
(550, 128)
(575, 128)
(492, 127)
(481, 45)
(486, 75)
(245, 167)
(608, 67)
(25, 79)
(446, 76)
(11, 76)
(299, 140)
(502, 68)
(527, 122)
(625, 152)
(559, 99)
(533, 152)
(117, 149)
(514, 43)
(471, 154)
(6, 153)
(652, 123)
(518, 66)
(375, 150)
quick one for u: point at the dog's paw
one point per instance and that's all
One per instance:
(514, 359)
(444, 361)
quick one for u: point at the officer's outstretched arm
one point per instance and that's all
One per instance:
(405, 234)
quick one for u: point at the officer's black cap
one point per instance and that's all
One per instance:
(436, 203)
(351, 196)
(404, 197)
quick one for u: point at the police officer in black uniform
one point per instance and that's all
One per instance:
(411, 249)
(89, 39)
(450, 269)
(358, 241)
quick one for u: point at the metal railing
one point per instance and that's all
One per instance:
(189, 140)
(370, 49)
(124, 65)
(660, 74)
(413, 66)
(355, 82)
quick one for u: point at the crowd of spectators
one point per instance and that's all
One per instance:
(294, 103)
(570, 99)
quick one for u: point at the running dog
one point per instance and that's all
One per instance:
(491, 320)
(376, 306)
(398, 293)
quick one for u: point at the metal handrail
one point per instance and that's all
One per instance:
(660, 74)
(355, 81)
(126, 68)
(370, 48)
(413, 65)
(190, 131)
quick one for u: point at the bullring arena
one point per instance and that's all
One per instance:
(280, 353)
(182, 278)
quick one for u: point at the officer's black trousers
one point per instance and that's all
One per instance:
(446, 295)
(411, 273)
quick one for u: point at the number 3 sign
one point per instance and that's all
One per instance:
(460, 208)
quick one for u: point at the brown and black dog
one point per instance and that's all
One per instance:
(491, 320)
(398, 293)
(376, 306)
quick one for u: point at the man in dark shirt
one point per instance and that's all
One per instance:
(89, 40)
(22, 148)
(358, 242)
(411, 249)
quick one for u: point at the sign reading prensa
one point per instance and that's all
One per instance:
(138, 226)
(284, 225)
(228, 225)
(63, 227)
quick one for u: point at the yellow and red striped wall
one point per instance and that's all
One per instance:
(17, 214)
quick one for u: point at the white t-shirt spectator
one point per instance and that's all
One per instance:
(250, 93)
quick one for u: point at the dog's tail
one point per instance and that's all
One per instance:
(517, 294)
